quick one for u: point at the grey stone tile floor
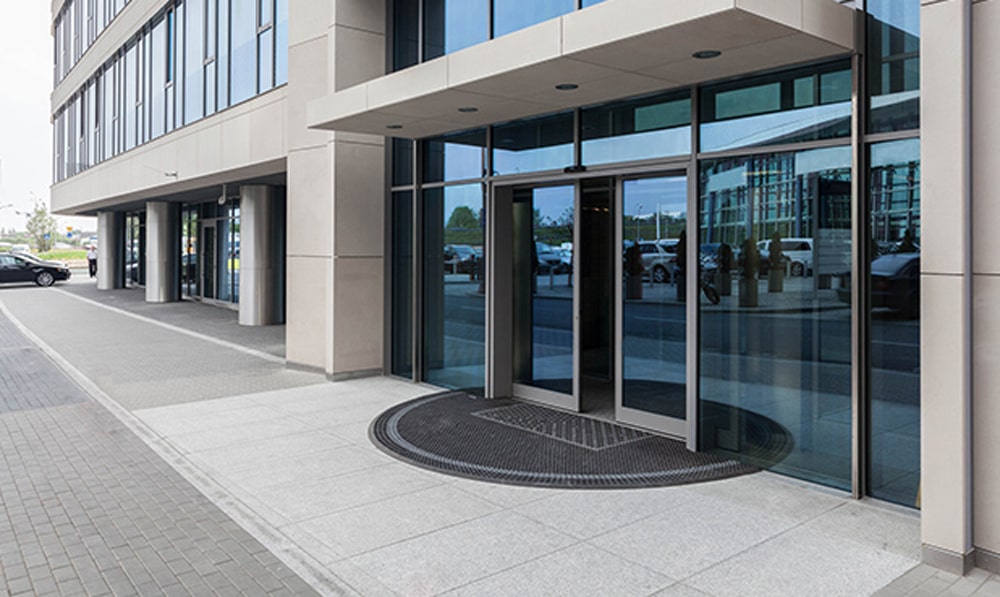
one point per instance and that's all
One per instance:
(89, 509)
(289, 459)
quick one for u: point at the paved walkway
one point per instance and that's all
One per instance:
(287, 458)
(89, 509)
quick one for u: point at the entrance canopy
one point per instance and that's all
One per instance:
(609, 51)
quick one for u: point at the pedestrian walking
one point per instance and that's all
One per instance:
(92, 261)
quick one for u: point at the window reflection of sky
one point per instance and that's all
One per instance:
(469, 195)
(770, 128)
(511, 15)
(901, 14)
(639, 146)
(644, 196)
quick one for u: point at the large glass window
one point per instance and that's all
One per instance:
(157, 52)
(652, 127)
(511, 15)
(194, 61)
(243, 65)
(460, 156)
(894, 282)
(893, 65)
(789, 107)
(402, 162)
(281, 42)
(533, 145)
(405, 33)
(775, 353)
(454, 305)
(450, 25)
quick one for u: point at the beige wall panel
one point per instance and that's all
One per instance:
(310, 203)
(986, 439)
(361, 14)
(359, 189)
(786, 12)
(942, 414)
(609, 21)
(525, 47)
(307, 66)
(942, 152)
(986, 136)
(268, 132)
(359, 56)
(358, 296)
(308, 20)
(820, 18)
(306, 308)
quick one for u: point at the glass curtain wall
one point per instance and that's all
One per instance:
(179, 67)
(454, 287)
(893, 225)
(775, 355)
(894, 282)
(426, 29)
(77, 27)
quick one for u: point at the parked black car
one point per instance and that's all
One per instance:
(895, 284)
(22, 267)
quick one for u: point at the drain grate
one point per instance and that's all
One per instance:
(575, 430)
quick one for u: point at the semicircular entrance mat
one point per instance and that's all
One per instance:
(513, 442)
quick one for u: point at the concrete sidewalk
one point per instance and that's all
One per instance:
(287, 455)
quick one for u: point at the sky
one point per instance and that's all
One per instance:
(25, 128)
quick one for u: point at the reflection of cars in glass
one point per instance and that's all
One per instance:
(659, 264)
(23, 267)
(551, 259)
(895, 284)
(797, 255)
(459, 259)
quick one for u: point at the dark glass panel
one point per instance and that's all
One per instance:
(402, 162)
(454, 309)
(450, 25)
(511, 15)
(533, 145)
(157, 49)
(789, 107)
(458, 156)
(222, 56)
(893, 65)
(775, 352)
(402, 283)
(638, 129)
(405, 33)
(894, 280)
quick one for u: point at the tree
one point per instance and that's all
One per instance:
(42, 227)
(463, 218)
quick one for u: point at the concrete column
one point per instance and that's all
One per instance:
(946, 287)
(258, 275)
(336, 195)
(162, 252)
(109, 250)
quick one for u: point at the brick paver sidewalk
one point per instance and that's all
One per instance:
(86, 508)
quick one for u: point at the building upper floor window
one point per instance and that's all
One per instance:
(426, 29)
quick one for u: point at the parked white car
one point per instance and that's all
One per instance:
(798, 254)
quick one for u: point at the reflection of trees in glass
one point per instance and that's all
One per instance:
(463, 217)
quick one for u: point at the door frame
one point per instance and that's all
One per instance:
(499, 316)
(683, 429)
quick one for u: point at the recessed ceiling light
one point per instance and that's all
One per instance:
(567, 86)
(394, 127)
(706, 54)
(468, 109)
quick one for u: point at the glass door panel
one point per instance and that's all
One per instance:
(542, 287)
(207, 261)
(653, 390)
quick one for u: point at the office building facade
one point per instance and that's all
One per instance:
(760, 227)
